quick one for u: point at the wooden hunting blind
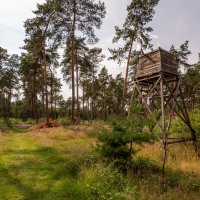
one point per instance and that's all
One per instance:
(158, 61)
(157, 85)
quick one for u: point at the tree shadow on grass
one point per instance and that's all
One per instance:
(43, 173)
(150, 172)
(20, 130)
(27, 191)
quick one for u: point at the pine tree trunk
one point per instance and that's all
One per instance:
(52, 95)
(73, 62)
(87, 102)
(36, 109)
(9, 102)
(45, 83)
(83, 101)
(1, 104)
(104, 105)
(92, 103)
(32, 105)
(126, 78)
(4, 105)
(34, 95)
(43, 98)
(77, 85)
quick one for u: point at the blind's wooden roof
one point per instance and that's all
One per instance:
(157, 61)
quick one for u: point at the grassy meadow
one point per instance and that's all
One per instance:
(61, 163)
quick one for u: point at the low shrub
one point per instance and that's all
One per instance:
(104, 182)
(118, 145)
(12, 121)
(180, 127)
(1, 121)
(143, 166)
(3, 127)
(65, 121)
(172, 180)
(30, 121)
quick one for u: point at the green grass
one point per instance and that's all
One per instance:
(30, 171)
(62, 164)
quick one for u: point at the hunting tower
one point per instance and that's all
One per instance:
(158, 86)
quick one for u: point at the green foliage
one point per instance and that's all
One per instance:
(14, 121)
(117, 145)
(181, 53)
(135, 29)
(191, 85)
(105, 182)
(7, 124)
(30, 121)
(10, 122)
(3, 128)
(172, 180)
(180, 127)
(65, 121)
(1, 120)
(195, 119)
(143, 166)
(113, 146)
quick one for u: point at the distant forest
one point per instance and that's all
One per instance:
(30, 87)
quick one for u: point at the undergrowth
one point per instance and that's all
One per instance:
(38, 165)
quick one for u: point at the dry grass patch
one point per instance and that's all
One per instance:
(4, 140)
(75, 139)
(181, 157)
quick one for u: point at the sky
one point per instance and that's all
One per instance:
(175, 22)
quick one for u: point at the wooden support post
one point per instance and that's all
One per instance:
(147, 106)
(163, 126)
(153, 87)
(173, 105)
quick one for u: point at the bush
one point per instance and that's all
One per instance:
(5, 124)
(65, 121)
(14, 121)
(30, 121)
(113, 145)
(117, 145)
(1, 121)
(144, 166)
(105, 182)
(180, 127)
(11, 121)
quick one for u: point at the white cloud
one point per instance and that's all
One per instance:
(13, 13)
(154, 36)
(138, 47)
(155, 40)
(174, 22)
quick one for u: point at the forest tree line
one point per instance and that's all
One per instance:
(29, 84)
